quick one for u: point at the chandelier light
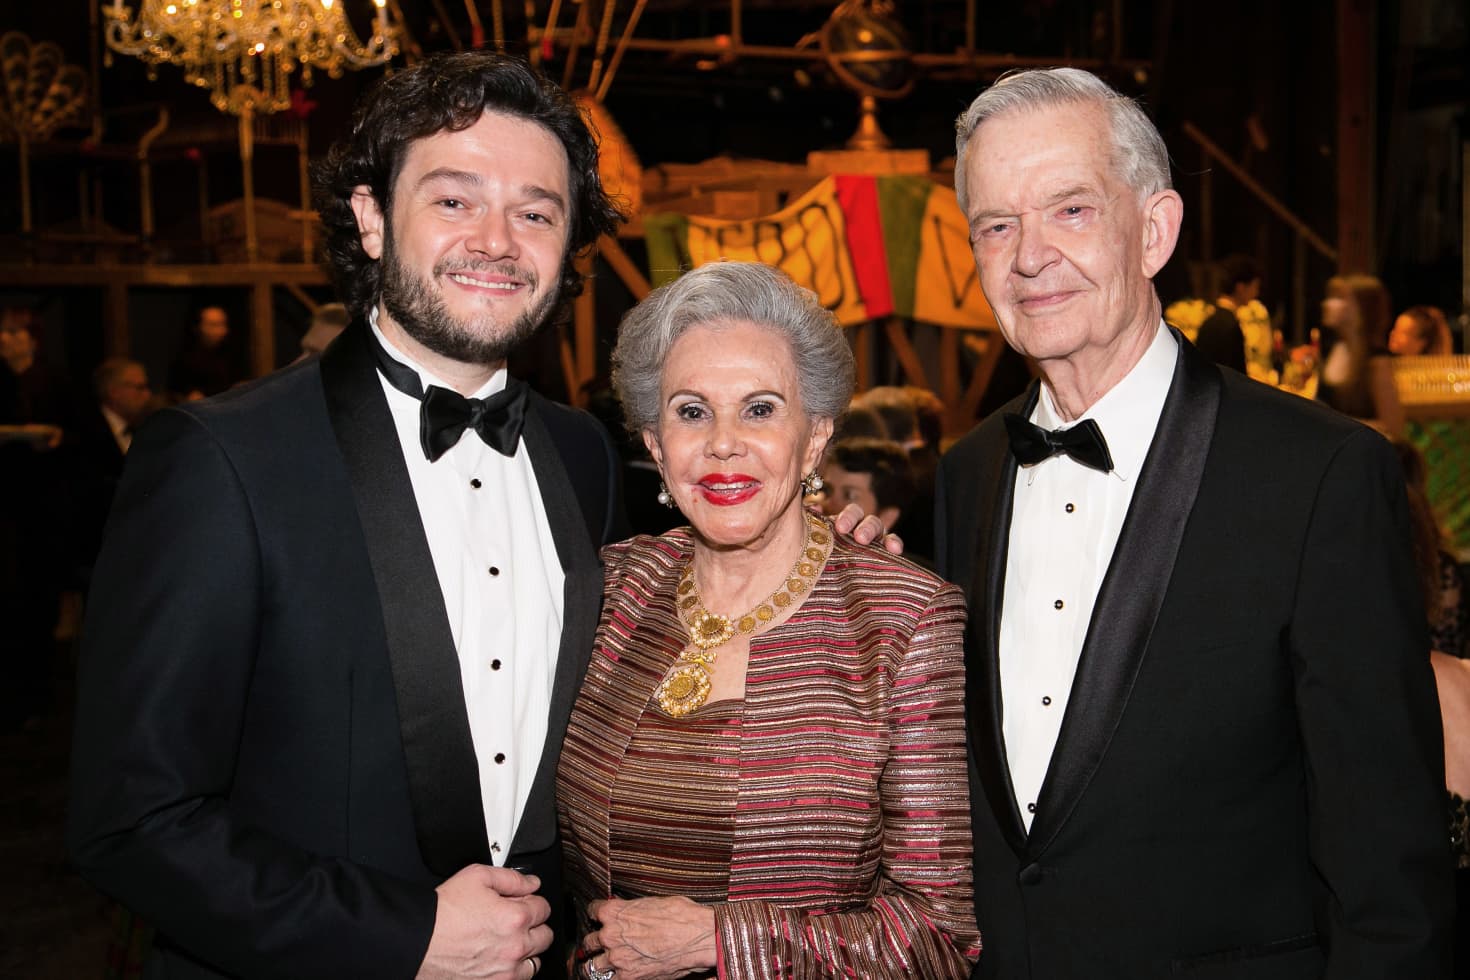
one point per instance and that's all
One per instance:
(39, 93)
(244, 51)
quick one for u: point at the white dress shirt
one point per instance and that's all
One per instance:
(502, 584)
(1064, 525)
(122, 432)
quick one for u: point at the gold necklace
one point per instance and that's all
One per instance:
(687, 684)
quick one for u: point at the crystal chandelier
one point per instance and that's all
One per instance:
(244, 51)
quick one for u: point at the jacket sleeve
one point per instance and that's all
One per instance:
(1370, 725)
(920, 923)
(168, 651)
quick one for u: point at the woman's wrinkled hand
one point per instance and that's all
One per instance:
(650, 938)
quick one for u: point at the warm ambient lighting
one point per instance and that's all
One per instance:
(244, 51)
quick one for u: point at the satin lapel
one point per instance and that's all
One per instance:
(581, 601)
(443, 775)
(986, 597)
(1133, 589)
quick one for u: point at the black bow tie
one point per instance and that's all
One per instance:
(1084, 442)
(445, 414)
(497, 419)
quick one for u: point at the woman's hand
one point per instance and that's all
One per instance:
(650, 938)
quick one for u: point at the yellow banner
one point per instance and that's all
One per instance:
(807, 241)
(946, 284)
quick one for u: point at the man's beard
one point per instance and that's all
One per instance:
(425, 317)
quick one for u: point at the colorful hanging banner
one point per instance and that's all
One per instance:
(806, 241)
(869, 247)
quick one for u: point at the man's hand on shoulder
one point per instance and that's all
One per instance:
(865, 528)
(489, 923)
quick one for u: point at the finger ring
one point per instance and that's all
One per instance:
(593, 973)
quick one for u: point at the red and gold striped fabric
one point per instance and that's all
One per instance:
(847, 823)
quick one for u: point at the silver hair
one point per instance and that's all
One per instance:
(1140, 158)
(726, 292)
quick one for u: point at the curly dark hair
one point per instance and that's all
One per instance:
(448, 92)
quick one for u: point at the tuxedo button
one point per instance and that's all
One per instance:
(499, 758)
(494, 570)
(1046, 700)
(1070, 508)
(476, 484)
(1030, 875)
(495, 664)
(1030, 807)
(1057, 604)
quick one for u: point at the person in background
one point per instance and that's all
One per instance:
(327, 321)
(764, 774)
(929, 410)
(204, 366)
(860, 423)
(1421, 330)
(1222, 341)
(1355, 325)
(895, 407)
(874, 474)
(1439, 570)
(1445, 609)
(1168, 787)
(913, 417)
(33, 406)
(1240, 293)
(123, 398)
(34, 421)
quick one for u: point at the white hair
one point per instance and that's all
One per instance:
(1140, 158)
(722, 292)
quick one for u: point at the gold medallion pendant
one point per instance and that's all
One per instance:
(687, 684)
(685, 688)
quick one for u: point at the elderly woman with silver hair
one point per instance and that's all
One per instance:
(764, 774)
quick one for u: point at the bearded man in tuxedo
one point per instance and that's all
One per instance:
(341, 613)
(1202, 715)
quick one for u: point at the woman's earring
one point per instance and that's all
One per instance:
(664, 497)
(812, 483)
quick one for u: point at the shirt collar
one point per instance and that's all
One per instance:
(496, 383)
(115, 422)
(1129, 412)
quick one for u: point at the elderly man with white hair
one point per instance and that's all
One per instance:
(1200, 705)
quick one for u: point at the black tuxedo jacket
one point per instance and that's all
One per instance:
(273, 761)
(1248, 781)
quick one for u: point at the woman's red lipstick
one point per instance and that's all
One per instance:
(728, 489)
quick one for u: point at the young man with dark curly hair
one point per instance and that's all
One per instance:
(340, 615)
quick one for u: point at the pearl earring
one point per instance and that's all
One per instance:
(664, 497)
